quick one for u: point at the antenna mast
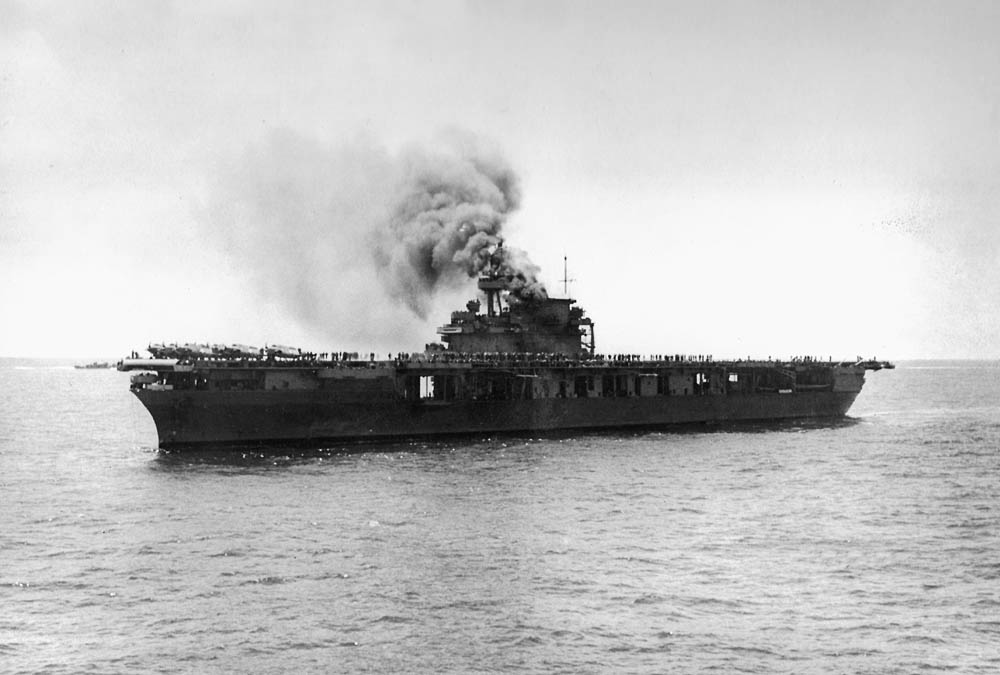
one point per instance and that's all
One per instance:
(566, 280)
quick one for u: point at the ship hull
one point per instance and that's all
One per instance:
(186, 419)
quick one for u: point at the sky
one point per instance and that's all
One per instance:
(727, 178)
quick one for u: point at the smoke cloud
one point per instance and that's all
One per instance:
(342, 237)
(447, 215)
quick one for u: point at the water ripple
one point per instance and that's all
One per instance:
(867, 546)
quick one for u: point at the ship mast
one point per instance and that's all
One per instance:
(566, 280)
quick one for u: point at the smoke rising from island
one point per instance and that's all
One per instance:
(341, 238)
(448, 216)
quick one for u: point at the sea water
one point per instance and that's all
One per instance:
(866, 546)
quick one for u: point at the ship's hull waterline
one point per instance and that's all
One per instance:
(186, 419)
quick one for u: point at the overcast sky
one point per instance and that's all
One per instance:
(732, 178)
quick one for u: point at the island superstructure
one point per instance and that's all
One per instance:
(522, 363)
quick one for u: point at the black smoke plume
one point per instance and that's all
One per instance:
(341, 237)
(521, 274)
(446, 219)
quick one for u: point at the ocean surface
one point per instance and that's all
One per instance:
(867, 546)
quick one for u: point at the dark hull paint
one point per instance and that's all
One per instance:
(205, 418)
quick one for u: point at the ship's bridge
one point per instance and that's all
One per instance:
(549, 325)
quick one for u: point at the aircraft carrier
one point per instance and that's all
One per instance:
(515, 365)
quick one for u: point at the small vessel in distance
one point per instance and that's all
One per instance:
(526, 364)
(95, 365)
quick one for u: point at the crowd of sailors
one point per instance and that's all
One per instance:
(437, 356)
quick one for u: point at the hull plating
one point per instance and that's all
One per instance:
(191, 418)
